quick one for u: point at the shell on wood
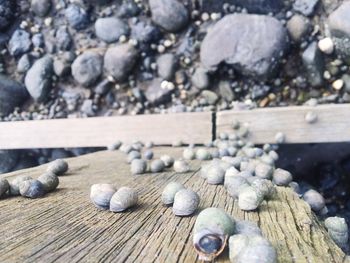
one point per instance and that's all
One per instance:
(133, 155)
(49, 180)
(264, 187)
(31, 188)
(169, 192)
(203, 154)
(4, 187)
(245, 227)
(157, 166)
(123, 199)
(167, 160)
(114, 146)
(181, 166)
(234, 185)
(101, 195)
(138, 166)
(249, 199)
(126, 148)
(188, 154)
(14, 184)
(232, 171)
(185, 203)
(58, 167)
(215, 175)
(338, 230)
(210, 233)
(251, 249)
(282, 177)
(264, 170)
(315, 200)
(148, 154)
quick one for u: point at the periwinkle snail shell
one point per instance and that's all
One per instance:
(123, 199)
(169, 192)
(148, 154)
(249, 199)
(188, 154)
(14, 184)
(4, 187)
(338, 230)
(282, 177)
(232, 171)
(181, 166)
(167, 160)
(49, 180)
(101, 195)
(133, 155)
(58, 167)
(203, 154)
(215, 175)
(185, 203)
(264, 187)
(234, 185)
(212, 228)
(114, 146)
(248, 228)
(264, 170)
(138, 166)
(251, 249)
(315, 200)
(157, 166)
(31, 188)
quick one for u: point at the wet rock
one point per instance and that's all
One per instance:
(103, 28)
(128, 9)
(298, 26)
(145, 33)
(41, 7)
(38, 40)
(120, 60)
(200, 78)
(171, 15)
(166, 66)
(61, 68)
(252, 44)
(87, 68)
(226, 91)
(23, 64)
(12, 94)
(314, 64)
(63, 38)
(88, 108)
(210, 97)
(20, 42)
(306, 7)
(339, 21)
(155, 94)
(7, 13)
(77, 17)
(38, 79)
(8, 160)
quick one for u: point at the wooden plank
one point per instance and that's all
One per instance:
(102, 131)
(333, 123)
(65, 227)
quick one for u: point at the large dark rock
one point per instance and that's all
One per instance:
(171, 15)
(120, 60)
(12, 94)
(7, 12)
(339, 21)
(252, 44)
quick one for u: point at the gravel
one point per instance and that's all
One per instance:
(103, 28)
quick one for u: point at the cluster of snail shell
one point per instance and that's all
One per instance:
(26, 186)
(184, 201)
(108, 197)
(214, 229)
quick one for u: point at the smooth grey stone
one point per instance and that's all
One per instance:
(314, 64)
(87, 68)
(19, 43)
(306, 7)
(156, 95)
(298, 27)
(110, 29)
(41, 7)
(166, 66)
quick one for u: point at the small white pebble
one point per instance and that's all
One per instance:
(311, 117)
(326, 45)
(161, 49)
(205, 17)
(122, 39)
(280, 138)
(338, 84)
(167, 43)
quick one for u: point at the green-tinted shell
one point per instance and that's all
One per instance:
(338, 230)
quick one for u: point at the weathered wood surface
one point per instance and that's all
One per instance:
(102, 131)
(65, 227)
(333, 123)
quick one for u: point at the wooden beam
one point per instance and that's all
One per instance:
(102, 131)
(333, 124)
(64, 226)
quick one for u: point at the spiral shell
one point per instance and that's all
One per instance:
(186, 202)
(31, 188)
(14, 185)
(338, 230)
(49, 180)
(235, 185)
(249, 199)
(210, 233)
(315, 200)
(188, 154)
(133, 155)
(215, 175)
(181, 166)
(169, 192)
(101, 195)
(4, 187)
(58, 167)
(244, 227)
(251, 249)
(123, 199)
(148, 154)
(264, 187)
(282, 177)
(157, 166)
(138, 166)
(167, 160)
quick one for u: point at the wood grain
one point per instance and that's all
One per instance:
(65, 227)
(103, 131)
(333, 123)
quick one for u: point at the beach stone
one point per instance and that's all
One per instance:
(306, 7)
(298, 27)
(252, 44)
(155, 94)
(7, 13)
(20, 42)
(103, 28)
(200, 78)
(41, 7)
(87, 68)
(314, 64)
(77, 17)
(171, 15)
(166, 66)
(339, 22)
(63, 38)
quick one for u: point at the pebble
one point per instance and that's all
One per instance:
(166, 66)
(148, 154)
(14, 184)
(49, 181)
(338, 84)
(103, 28)
(200, 78)
(314, 64)
(326, 45)
(338, 21)
(138, 166)
(298, 27)
(171, 15)
(315, 200)
(87, 68)
(115, 146)
(77, 17)
(41, 7)
(306, 7)
(19, 43)
(63, 38)
(133, 155)
(4, 187)
(38, 79)
(157, 166)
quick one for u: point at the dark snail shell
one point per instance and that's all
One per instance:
(4, 187)
(58, 167)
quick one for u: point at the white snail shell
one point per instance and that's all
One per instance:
(101, 195)
(249, 199)
(315, 200)
(189, 154)
(167, 160)
(181, 166)
(186, 202)
(138, 166)
(123, 199)
(338, 230)
(264, 170)
(215, 175)
(282, 177)
(169, 192)
(235, 185)
(264, 187)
